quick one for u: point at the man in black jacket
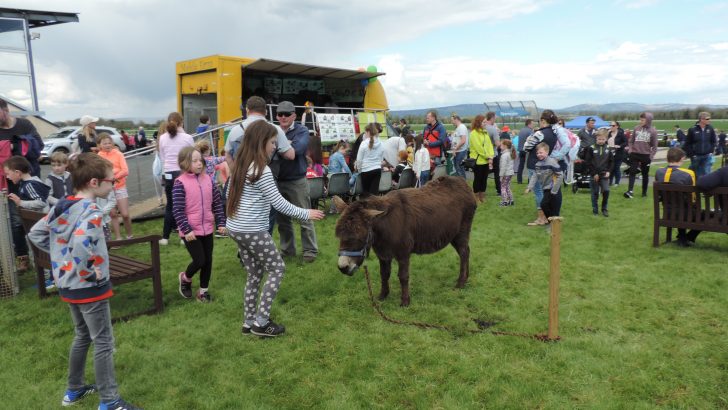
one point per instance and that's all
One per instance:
(700, 144)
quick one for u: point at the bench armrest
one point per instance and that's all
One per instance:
(132, 241)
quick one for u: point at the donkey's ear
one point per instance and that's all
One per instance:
(340, 204)
(373, 213)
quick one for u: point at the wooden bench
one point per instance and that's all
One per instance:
(687, 207)
(122, 269)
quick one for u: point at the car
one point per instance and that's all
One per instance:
(65, 138)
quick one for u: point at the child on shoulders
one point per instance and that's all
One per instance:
(549, 174)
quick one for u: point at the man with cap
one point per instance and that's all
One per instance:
(293, 185)
(255, 110)
(587, 135)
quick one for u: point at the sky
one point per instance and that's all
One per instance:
(119, 60)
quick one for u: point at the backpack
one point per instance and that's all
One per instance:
(575, 145)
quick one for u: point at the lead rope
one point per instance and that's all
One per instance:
(482, 325)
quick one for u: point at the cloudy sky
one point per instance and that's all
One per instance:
(119, 60)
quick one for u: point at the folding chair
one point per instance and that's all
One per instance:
(316, 191)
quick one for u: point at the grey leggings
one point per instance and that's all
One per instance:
(258, 255)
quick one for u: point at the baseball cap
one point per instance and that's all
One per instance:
(88, 119)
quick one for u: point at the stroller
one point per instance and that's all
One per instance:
(577, 176)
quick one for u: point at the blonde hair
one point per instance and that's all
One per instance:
(184, 158)
(103, 136)
(203, 146)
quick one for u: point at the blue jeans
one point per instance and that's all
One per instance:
(458, 163)
(700, 164)
(424, 177)
(93, 324)
(537, 190)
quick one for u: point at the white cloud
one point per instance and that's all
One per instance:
(636, 4)
(720, 46)
(661, 71)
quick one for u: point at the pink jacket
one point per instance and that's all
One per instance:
(196, 204)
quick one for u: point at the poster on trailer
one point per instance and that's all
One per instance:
(335, 127)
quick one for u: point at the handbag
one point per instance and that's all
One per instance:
(470, 163)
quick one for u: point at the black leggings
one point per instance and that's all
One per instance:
(480, 178)
(370, 182)
(643, 162)
(201, 252)
(169, 222)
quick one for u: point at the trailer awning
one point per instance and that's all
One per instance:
(283, 67)
(38, 18)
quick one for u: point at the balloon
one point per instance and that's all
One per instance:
(372, 69)
(364, 82)
(360, 69)
(373, 80)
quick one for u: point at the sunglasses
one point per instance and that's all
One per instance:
(112, 180)
(284, 114)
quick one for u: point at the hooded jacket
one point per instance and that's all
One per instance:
(700, 141)
(644, 139)
(72, 233)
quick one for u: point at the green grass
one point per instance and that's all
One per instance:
(641, 327)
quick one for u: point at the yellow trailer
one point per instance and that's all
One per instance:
(219, 85)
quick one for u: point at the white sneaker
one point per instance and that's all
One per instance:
(164, 242)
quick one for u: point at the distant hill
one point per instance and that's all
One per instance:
(634, 107)
(470, 110)
(463, 110)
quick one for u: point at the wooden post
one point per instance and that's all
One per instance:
(554, 277)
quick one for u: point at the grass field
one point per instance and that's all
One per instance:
(641, 327)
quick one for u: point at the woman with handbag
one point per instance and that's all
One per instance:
(481, 156)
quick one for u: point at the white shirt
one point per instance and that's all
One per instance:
(392, 146)
(461, 133)
(422, 161)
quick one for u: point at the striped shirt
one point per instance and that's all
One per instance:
(255, 202)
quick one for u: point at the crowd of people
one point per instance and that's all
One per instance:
(260, 180)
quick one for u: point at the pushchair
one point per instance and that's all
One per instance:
(577, 176)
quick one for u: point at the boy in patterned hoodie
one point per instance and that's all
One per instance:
(72, 234)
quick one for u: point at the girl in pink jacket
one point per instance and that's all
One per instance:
(197, 208)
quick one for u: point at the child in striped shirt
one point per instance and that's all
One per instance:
(251, 193)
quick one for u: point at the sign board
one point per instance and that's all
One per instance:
(335, 127)
(512, 112)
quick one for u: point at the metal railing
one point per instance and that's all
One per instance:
(8, 275)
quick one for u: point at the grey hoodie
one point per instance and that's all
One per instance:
(644, 139)
(72, 233)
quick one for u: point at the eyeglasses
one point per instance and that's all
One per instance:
(284, 114)
(112, 180)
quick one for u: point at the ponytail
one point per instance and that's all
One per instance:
(373, 129)
(174, 121)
